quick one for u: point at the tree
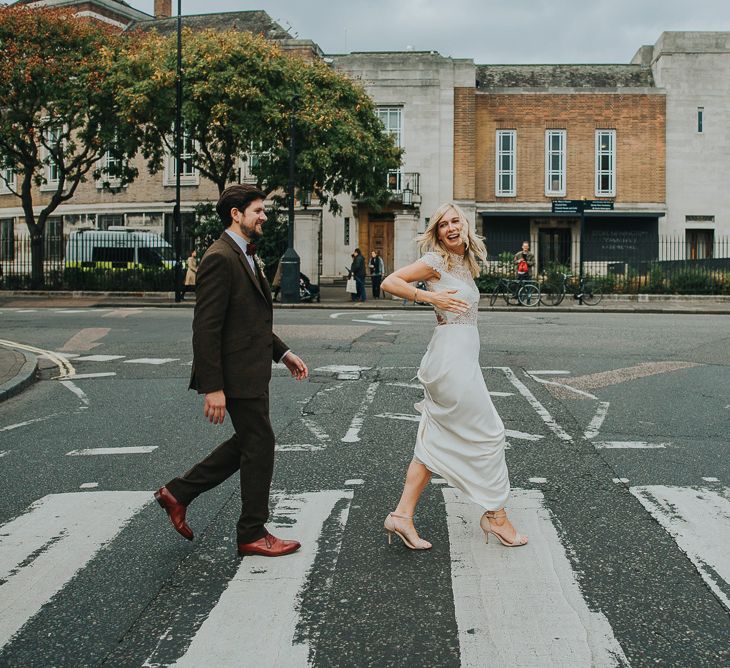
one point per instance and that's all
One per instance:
(240, 92)
(58, 115)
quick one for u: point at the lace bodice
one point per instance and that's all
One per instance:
(459, 279)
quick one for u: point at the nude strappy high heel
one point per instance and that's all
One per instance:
(487, 527)
(408, 541)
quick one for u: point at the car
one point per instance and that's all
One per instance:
(119, 248)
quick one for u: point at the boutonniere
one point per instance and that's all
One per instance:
(260, 263)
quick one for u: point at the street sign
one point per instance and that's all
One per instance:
(581, 205)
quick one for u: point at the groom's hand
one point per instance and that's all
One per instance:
(214, 407)
(296, 366)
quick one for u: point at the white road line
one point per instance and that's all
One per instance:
(597, 422)
(501, 394)
(622, 481)
(134, 450)
(86, 339)
(373, 322)
(353, 433)
(25, 310)
(711, 479)
(315, 429)
(354, 481)
(546, 372)
(521, 435)
(261, 599)
(564, 387)
(538, 481)
(400, 416)
(122, 313)
(41, 550)
(152, 360)
(297, 447)
(629, 445)
(498, 594)
(414, 386)
(71, 310)
(88, 485)
(698, 520)
(4, 452)
(98, 358)
(532, 400)
(77, 391)
(104, 374)
(65, 367)
(10, 427)
(342, 368)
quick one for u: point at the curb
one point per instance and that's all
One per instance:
(25, 377)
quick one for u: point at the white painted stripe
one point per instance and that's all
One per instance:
(68, 356)
(400, 416)
(77, 391)
(104, 374)
(538, 481)
(547, 372)
(88, 485)
(135, 450)
(498, 590)
(622, 481)
(354, 481)
(99, 358)
(373, 322)
(597, 422)
(532, 400)
(342, 368)
(4, 452)
(414, 386)
(26, 310)
(86, 339)
(353, 433)
(256, 616)
(629, 445)
(44, 548)
(71, 310)
(711, 479)
(698, 520)
(65, 367)
(501, 394)
(10, 427)
(152, 360)
(297, 447)
(565, 388)
(122, 313)
(521, 435)
(315, 429)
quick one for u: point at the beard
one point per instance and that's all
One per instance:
(252, 232)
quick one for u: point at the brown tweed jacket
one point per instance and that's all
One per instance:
(233, 342)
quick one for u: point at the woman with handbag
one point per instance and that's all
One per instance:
(357, 271)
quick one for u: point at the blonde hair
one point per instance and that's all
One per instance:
(475, 251)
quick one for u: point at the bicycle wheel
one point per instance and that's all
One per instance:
(591, 295)
(529, 294)
(510, 294)
(494, 295)
(551, 295)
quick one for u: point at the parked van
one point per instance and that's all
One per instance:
(118, 248)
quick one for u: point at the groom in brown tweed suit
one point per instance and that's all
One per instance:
(233, 347)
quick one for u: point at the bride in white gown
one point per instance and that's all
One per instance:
(460, 435)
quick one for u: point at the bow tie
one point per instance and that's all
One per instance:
(251, 249)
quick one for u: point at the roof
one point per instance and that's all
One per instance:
(564, 76)
(257, 22)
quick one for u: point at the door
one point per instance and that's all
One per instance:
(380, 238)
(554, 247)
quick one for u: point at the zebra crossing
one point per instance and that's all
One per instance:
(513, 607)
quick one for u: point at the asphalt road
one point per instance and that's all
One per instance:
(618, 460)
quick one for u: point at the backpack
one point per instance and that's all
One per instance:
(522, 266)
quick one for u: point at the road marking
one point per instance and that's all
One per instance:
(134, 450)
(10, 427)
(297, 447)
(354, 481)
(500, 620)
(563, 388)
(4, 452)
(72, 310)
(622, 481)
(41, 550)
(88, 485)
(256, 616)
(65, 368)
(77, 391)
(710, 479)
(25, 310)
(546, 372)
(152, 360)
(538, 481)
(597, 422)
(521, 435)
(315, 429)
(86, 339)
(374, 322)
(104, 374)
(400, 416)
(501, 394)
(698, 520)
(122, 313)
(353, 433)
(98, 358)
(439, 481)
(414, 386)
(344, 371)
(629, 445)
(532, 400)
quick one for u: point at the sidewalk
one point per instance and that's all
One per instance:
(17, 371)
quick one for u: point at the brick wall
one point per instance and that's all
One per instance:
(639, 120)
(464, 144)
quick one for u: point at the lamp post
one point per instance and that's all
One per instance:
(290, 259)
(177, 232)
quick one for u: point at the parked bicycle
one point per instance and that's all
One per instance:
(553, 292)
(514, 292)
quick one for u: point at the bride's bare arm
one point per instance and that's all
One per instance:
(398, 284)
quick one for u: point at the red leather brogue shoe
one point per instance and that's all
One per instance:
(269, 546)
(175, 511)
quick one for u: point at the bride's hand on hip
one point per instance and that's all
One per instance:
(444, 301)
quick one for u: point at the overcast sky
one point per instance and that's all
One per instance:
(489, 31)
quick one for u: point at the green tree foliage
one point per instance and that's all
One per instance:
(240, 93)
(57, 111)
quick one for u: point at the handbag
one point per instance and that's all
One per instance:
(351, 286)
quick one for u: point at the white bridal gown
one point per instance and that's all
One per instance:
(460, 435)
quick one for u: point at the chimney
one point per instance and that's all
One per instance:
(163, 9)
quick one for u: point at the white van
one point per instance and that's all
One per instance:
(118, 248)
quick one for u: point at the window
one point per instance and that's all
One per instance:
(249, 163)
(53, 234)
(347, 232)
(555, 151)
(54, 140)
(7, 181)
(392, 120)
(605, 163)
(188, 172)
(107, 163)
(699, 244)
(506, 163)
(107, 220)
(7, 239)
(700, 118)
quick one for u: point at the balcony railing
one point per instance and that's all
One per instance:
(405, 186)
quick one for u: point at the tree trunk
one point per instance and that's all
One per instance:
(37, 281)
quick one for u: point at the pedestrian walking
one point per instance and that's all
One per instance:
(460, 435)
(191, 265)
(377, 269)
(524, 262)
(233, 347)
(357, 271)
